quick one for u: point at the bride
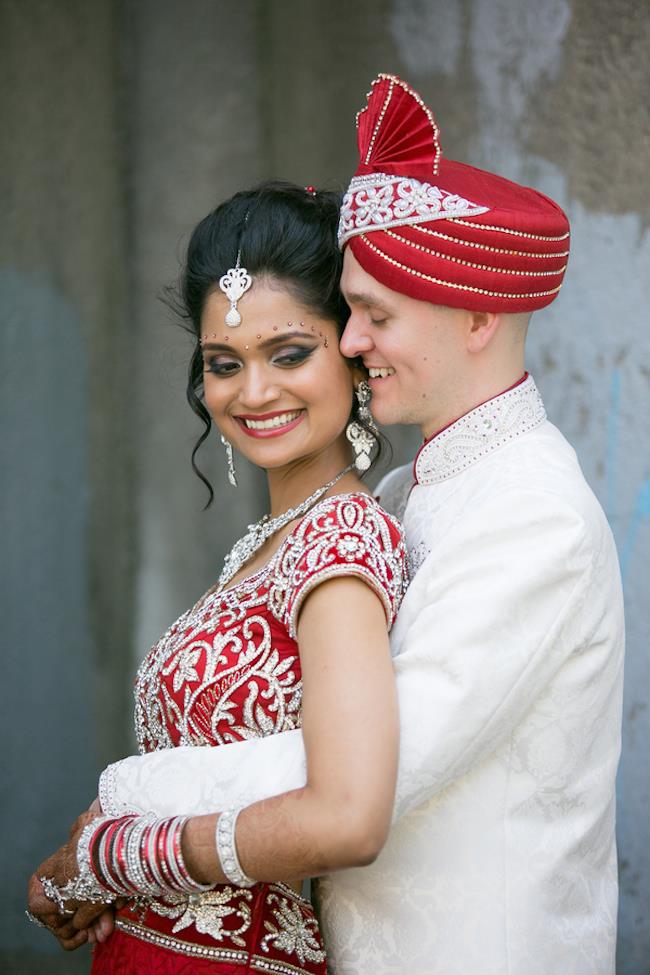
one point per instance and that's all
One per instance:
(294, 633)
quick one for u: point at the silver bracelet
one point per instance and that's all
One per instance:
(88, 887)
(227, 850)
(185, 882)
(35, 920)
(134, 857)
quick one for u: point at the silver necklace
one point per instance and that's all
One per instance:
(257, 534)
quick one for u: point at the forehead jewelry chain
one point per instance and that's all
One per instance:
(234, 283)
(243, 550)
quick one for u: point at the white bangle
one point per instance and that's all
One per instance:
(227, 850)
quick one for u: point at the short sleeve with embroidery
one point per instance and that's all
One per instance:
(344, 535)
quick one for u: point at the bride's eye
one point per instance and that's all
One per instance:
(221, 366)
(292, 356)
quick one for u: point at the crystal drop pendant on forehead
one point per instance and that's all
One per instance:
(234, 283)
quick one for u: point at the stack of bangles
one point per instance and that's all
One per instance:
(136, 856)
(139, 856)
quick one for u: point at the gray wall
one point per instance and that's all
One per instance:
(67, 379)
(127, 121)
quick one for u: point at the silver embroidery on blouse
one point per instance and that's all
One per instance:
(210, 667)
(192, 681)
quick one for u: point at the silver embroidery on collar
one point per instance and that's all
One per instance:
(480, 432)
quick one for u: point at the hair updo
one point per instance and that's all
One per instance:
(282, 230)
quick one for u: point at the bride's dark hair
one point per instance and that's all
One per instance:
(281, 230)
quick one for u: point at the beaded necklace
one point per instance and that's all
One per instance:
(257, 534)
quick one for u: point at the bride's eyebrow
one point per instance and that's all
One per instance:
(285, 337)
(267, 343)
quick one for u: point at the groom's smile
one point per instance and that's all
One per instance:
(413, 350)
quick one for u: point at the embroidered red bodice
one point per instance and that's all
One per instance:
(227, 670)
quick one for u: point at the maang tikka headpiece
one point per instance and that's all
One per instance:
(234, 283)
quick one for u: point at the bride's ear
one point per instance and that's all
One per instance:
(359, 372)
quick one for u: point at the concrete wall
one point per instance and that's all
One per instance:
(128, 121)
(66, 394)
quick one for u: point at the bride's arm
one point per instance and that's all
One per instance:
(341, 817)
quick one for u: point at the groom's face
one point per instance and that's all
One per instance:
(415, 352)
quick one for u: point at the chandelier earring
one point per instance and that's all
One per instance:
(363, 394)
(362, 438)
(232, 474)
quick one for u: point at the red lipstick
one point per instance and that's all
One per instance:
(271, 431)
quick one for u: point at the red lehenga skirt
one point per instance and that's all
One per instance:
(267, 929)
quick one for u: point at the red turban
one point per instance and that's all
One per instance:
(442, 231)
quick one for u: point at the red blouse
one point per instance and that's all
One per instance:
(227, 670)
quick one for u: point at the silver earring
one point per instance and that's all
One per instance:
(232, 475)
(363, 441)
(364, 395)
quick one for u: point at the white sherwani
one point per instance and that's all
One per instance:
(508, 656)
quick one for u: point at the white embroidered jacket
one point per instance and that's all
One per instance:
(508, 655)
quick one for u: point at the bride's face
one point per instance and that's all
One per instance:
(277, 385)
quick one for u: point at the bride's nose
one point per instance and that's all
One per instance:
(259, 386)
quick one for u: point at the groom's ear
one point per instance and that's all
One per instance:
(482, 327)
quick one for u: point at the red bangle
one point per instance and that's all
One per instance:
(96, 851)
(144, 856)
(161, 854)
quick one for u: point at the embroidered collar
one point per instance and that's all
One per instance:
(478, 433)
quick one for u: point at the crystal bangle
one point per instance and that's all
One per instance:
(134, 860)
(227, 850)
(87, 882)
(186, 883)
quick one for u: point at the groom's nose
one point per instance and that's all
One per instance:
(356, 339)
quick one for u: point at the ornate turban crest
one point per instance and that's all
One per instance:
(439, 230)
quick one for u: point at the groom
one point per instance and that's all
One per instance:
(508, 647)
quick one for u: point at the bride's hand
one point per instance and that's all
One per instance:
(46, 912)
(103, 926)
(62, 867)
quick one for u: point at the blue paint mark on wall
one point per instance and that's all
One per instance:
(640, 512)
(611, 457)
(641, 509)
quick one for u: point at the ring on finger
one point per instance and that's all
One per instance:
(36, 920)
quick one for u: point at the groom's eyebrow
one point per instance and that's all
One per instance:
(364, 298)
